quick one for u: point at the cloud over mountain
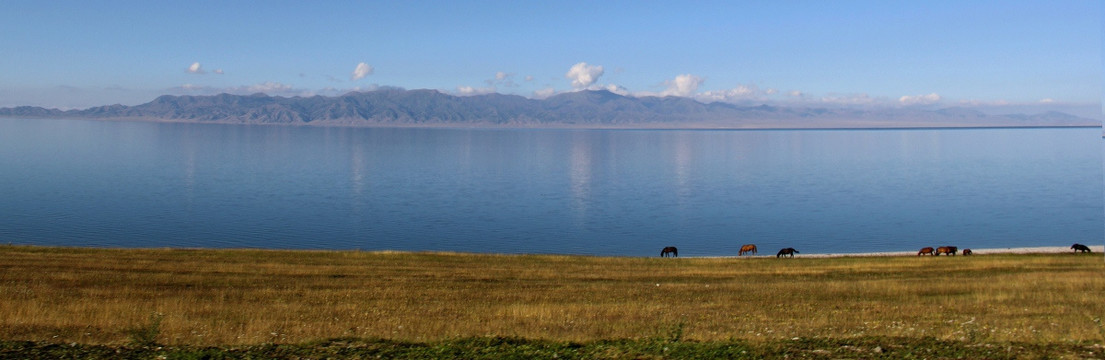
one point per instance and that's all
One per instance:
(361, 71)
(583, 75)
(685, 85)
(919, 99)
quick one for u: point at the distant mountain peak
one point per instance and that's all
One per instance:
(586, 108)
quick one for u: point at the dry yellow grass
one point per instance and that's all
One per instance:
(221, 297)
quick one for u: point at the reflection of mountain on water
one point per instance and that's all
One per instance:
(394, 107)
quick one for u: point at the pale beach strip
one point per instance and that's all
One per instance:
(1095, 249)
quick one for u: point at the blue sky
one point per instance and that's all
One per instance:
(815, 53)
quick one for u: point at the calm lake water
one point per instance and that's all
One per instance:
(619, 192)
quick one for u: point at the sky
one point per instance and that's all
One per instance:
(991, 55)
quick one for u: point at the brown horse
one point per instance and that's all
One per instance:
(749, 248)
(968, 252)
(1080, 248)
(926, 250)
(670, 250)
(950, 250)
(786, 251)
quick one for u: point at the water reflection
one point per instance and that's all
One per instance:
(683, 158)
(580, 175)
(358, 169)
(190, 173)
(591, 192)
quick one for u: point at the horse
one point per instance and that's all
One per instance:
(786, 251)
(670, 250)
(967, 252)
(749, 248)
(1080, 248)
(950, 250)
(926, 250)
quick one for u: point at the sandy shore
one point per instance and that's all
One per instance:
(1096, 249)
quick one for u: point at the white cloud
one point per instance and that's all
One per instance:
(617, 89)
(683, 85)
(544, 93)
(469, 91)
(218, 71)
(1001, 106)
(849, 99)
(502, 79)
(331, 91)
(737, 94)
(195, 68)
(529, 77)
(71, 97)
(919, 99)
(984, 103)
(269, 87)
(583, 75)
(362, 71)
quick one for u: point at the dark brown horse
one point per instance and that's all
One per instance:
(786, 251)
(949, 250)
(1080, 248)
(749, 248)
(968, 252)
(669, 251)
(926, 250)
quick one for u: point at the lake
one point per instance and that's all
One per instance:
(595, 192)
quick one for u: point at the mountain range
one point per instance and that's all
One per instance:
(590, 109)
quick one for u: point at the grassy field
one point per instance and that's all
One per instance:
(257, 297)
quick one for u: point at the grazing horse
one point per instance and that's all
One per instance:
(1080, 248)
(670, 250)
(786, 251)
(968, 252)
(926, 250)
(950, 250)
(749, 248)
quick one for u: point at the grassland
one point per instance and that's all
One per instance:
(199, 298)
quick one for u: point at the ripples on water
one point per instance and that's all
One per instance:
(118, 184)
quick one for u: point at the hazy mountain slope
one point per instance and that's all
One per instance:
(393, 107)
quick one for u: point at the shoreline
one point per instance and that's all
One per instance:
(1095, 249)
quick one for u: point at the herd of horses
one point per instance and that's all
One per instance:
(943, 250)
(745, 249)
